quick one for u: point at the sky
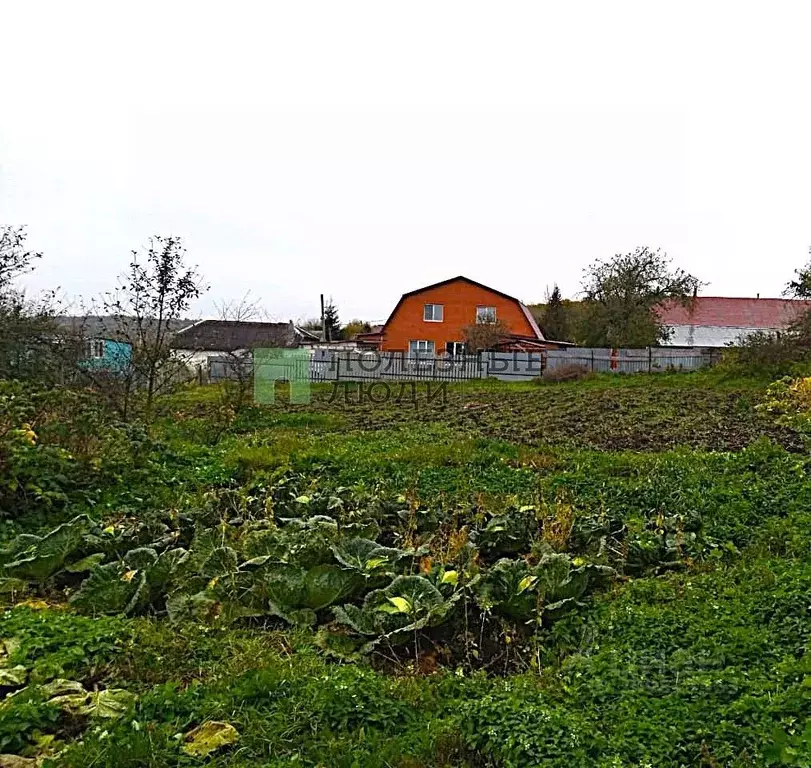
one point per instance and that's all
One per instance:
(365, 149)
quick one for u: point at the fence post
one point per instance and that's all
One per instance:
(650, 359)
(592, 360)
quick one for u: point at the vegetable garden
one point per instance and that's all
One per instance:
(610, 573)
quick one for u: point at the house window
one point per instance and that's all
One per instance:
(433, 313)
(94, 348)
(455, 348)
(421, 348)
(485, 314)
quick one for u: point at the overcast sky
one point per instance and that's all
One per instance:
(364, 149)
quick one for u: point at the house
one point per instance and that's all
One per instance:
(716, 321)
(105, 342)
(431, 320)
(197, 343)
(101, 344)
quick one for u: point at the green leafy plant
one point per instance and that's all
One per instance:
(132, 585)
(366, 557)
(549, 589)
(408, 604)
(38, 557)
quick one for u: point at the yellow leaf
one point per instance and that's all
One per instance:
(526, 583)
(34, 605)
(12, 761)
(209, 736)
(129, 575)
(450, 577)
(401, 604)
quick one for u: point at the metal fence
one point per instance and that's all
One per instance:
(394, 366)
(332, 366)
(355, 366)
(645, 360)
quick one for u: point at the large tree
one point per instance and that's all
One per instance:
(621, 296)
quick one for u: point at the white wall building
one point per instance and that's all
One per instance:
(717, 321)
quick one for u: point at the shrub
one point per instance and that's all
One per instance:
(790, 400)
(777, 351)
(62, 446)
(566, 372)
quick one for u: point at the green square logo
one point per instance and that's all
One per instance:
(271, 365)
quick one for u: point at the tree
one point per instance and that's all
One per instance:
(480, 337)
(310, 324)
(154, 293)
(555, 317)
(244, 310)
(354, 327)
(780, 350)
(621, 296)
(30, 345)
(800, 287)
(332, 325)
(237, 383)
(15, 259)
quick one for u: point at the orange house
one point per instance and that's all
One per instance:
(431, 320)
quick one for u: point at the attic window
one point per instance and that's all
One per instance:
(433, 313)
(485, 314)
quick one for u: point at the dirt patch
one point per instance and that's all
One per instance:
(622, 418)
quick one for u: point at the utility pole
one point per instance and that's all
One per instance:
(323, 321)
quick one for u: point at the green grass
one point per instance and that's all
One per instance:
(702, 663)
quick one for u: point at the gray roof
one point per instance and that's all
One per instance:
(231, 335)
(108, 326)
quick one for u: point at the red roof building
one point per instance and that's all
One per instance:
(715, 321)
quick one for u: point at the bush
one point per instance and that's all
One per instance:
(61, 446)
(566, 372)
(776, 351)
(790, 400)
